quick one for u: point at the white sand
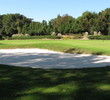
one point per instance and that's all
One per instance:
(26, 51)
(41, 58)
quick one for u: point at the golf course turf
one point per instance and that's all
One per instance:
(18, 83)
(99, 47)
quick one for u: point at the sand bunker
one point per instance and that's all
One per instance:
(46, 59)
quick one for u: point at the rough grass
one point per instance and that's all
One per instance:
(69, 46)
(18, 83)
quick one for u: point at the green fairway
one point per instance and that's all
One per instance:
(18, 83)
(71, 46)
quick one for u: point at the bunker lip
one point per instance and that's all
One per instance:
(47, 59)
(27, 51)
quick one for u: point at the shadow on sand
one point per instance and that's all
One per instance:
(54, 60)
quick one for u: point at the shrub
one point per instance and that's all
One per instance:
(66, 38)
(99, 37)
(77, 36)
(74, 36)
(34, 37)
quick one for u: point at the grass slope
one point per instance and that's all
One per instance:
(70, 46)
(18, 83)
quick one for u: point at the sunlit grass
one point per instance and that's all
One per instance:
(104, 87)
(70, 46)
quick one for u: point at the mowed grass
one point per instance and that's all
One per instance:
(17, 83)
(69, 46)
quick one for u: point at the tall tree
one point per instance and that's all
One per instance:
(62, 24)
(104, 21)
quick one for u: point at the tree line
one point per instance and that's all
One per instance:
(89, 22)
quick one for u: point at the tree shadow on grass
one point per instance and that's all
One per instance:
(1, 44)
(18, 83)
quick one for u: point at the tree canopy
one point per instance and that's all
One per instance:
(89, 22)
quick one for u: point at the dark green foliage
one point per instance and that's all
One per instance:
(0, 37)
(62, 24)
(103, 21)
(99, 37)
(89, 22)
(13, 24)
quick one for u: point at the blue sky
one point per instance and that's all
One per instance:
(47, 9)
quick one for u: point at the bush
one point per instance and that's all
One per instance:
(66, 38)
(74, 36)
(99, 37)
(77, 36)
(34, 37)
